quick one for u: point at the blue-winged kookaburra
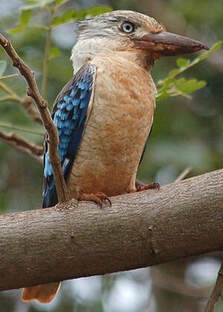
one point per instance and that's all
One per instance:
(104, 114)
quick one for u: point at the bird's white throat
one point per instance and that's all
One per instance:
(86, 49)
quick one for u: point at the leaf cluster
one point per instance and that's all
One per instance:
(173, 86)
(70, 15)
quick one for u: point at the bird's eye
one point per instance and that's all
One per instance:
(127, 27)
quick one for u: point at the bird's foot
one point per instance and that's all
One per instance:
(99, 198)
(153, 185)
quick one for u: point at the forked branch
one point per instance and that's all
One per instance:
(23, 145)
(41, 103)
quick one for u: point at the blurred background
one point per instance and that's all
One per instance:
(186, 133)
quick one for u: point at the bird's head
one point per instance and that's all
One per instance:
(128, 32)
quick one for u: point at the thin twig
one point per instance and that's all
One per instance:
(216, 293)
(10, 92)
(40, 27)
(183, 174)
(41, 103)
(31, 111)
(19, 128)
(21, 144)
(165, 280)
(8, 76)
(45, 63)
(47, 52)
(25, 102)
(178, 179)
(7, 98)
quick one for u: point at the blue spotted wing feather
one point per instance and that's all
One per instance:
(69, 115)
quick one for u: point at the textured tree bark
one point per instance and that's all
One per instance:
(140, 229)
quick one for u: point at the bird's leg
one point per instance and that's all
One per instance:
(140, 186)
(99, 198)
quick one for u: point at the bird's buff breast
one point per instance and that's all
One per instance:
(116, 130)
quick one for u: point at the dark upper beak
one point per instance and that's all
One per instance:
(166, 43)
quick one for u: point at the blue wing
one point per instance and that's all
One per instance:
(69, 115)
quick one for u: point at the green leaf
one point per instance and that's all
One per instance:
(181, 86)
(64, 18)
(189, 86)
(170, 86)
(98, 10)
(24, 19)
(182, 62)
(161, 96)
(60, 2)
(72, 14)
(37, 4)
(31, 7)
(3, 65)
(16, 30)
(54, 52)
(174, 72)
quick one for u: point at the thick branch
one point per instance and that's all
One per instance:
(33, 91)
(140, 229)
(21, 144)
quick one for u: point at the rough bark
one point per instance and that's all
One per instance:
(140, 229)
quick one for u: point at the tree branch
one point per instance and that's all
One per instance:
(33, 91)
(25, 102)
(21, 144)
(216, 293)
(20, 128)
(140, 229)
(33, 113)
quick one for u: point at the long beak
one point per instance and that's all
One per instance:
(166, 43)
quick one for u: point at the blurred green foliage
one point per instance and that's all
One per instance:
(3, 65)
(188, 129)
(53, 5)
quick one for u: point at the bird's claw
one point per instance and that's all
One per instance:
(99, 198)
(149, 186)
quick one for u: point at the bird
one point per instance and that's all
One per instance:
(104, 114)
